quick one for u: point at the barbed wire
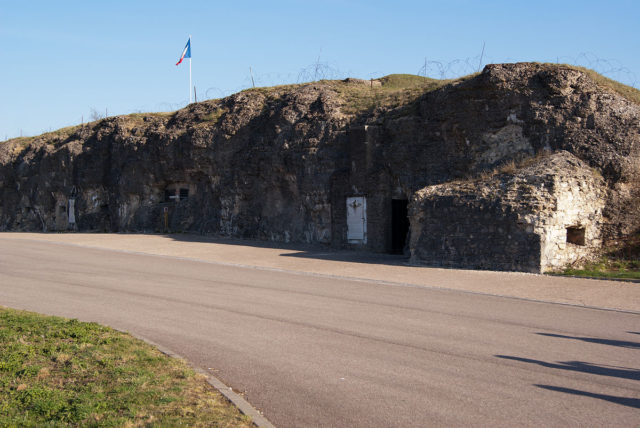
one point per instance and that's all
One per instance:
(318, 70)
(610, 68)
(323, 70)
(450, 70)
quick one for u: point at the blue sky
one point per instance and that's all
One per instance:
(64, 60)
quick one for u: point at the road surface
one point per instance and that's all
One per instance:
(309, 350)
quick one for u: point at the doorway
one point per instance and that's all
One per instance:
(399, 225)
(357, 220)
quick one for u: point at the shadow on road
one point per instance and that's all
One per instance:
(610, 342)
(580, 366)
(310, 251)
(629, 402)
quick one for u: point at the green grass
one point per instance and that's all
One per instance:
(215, 115)
(61, 372)
(405, 81)
(270, 90)
(620, 261)
(597, 270)
(394, 91)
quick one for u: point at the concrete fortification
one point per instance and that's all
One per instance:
(521, 167)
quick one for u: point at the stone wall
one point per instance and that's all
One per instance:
(513, 220)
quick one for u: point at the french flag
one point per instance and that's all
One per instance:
(186, 53)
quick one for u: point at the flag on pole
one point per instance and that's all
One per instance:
(186, 53)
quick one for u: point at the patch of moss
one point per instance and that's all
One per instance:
(215, 115)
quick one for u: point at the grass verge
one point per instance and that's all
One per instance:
(621, 261)
(605, 269)
(61, 372)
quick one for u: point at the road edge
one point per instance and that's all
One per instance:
(236, 399)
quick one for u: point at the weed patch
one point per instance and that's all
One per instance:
(621, 260)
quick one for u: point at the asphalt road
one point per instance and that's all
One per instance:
(314, 351)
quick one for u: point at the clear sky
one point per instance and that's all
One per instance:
(68, 60)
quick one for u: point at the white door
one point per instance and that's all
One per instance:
(357, 220)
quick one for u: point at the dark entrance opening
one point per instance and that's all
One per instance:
(399, 225)
(184, 194)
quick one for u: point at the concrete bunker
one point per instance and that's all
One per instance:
(540, 218)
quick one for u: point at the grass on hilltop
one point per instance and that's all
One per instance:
(392, 91)
(388, 92)
(359, 96)
(62, 372)
(53, 137)
(60, 136)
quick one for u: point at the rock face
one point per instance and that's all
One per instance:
(521, 167)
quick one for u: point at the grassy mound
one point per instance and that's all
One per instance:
(56, 371)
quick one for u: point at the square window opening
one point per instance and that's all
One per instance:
(575, 235)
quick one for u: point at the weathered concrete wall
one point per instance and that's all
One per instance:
(451, 231)
(278, 164)
(511, 221)
(260, 170)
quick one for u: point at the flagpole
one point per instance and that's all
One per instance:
(190, 70)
